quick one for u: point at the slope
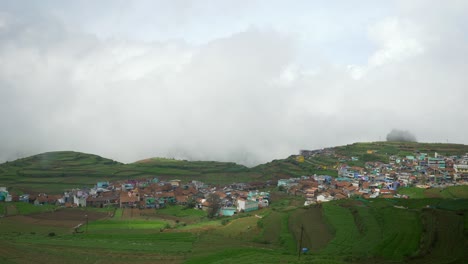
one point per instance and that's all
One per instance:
(55, 171)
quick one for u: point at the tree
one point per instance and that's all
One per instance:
(191, 203)
(214, 204)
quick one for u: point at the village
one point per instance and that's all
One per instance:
(375, 179)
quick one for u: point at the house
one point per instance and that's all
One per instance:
(284, 182)
(340, 195)
(129, 199)
(311, 192)
(150, 202)
(349, 190)
(79, 201)
(165, 198)
(24, 198)
(175, 183)
(244, 205)
(5, 196)
(324, 197)
(181, 199)
(102, 185)
(436, 163)
(43, 198)
(461, 168)
(102, 200)
(227, 211)
(127, 187)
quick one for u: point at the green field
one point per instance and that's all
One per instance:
(451, 192)
(429, 230)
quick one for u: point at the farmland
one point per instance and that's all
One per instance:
(344, 231)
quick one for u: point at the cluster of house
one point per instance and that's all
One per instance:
(152, 193)
(375, 179)
(324, 188)
(378, 179)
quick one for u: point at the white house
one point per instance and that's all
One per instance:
(246, 205)
(324, 198)
(79, 201)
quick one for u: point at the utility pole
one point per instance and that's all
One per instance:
(86, 223)
(300, 242)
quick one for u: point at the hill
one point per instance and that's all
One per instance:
(55, 171)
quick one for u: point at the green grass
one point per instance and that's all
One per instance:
(244, 255)
(203, 225)
(106, 225)
(364, 231)
(412, 192)
(244, 228)
(162, 242)
(27, 208)
(455, 192)
(361, 232)
(180, 211)
(451, 192)
(118, 214)
(271, 224)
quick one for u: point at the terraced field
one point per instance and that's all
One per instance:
(53, 172)
(345, 231)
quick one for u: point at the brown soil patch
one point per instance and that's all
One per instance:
(316, 234)
(351, 203)
(61, 218)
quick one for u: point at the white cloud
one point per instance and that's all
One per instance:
(246, 97)
(397, 39)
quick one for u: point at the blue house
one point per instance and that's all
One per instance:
(227, 211)
(283, 182)
(24, 198)
(102, 185)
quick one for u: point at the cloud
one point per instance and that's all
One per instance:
(247, 96)
(401, 136)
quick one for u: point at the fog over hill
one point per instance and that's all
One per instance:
(228, 81)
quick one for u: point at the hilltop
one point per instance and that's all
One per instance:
(55, 171)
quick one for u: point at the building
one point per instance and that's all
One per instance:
(246, 205)
(436, 162)
(175, 183)
(461, 170)
(227, 211)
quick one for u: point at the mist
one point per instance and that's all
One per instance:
(401, 136)
(240, 85)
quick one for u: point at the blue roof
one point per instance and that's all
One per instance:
(343, 179)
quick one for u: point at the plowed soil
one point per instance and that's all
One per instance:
(69, 217)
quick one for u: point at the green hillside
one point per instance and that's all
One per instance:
(55, 171)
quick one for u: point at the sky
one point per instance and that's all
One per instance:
(242, 81)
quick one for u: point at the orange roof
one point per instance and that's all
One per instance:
(221, 194)
(182, 198)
